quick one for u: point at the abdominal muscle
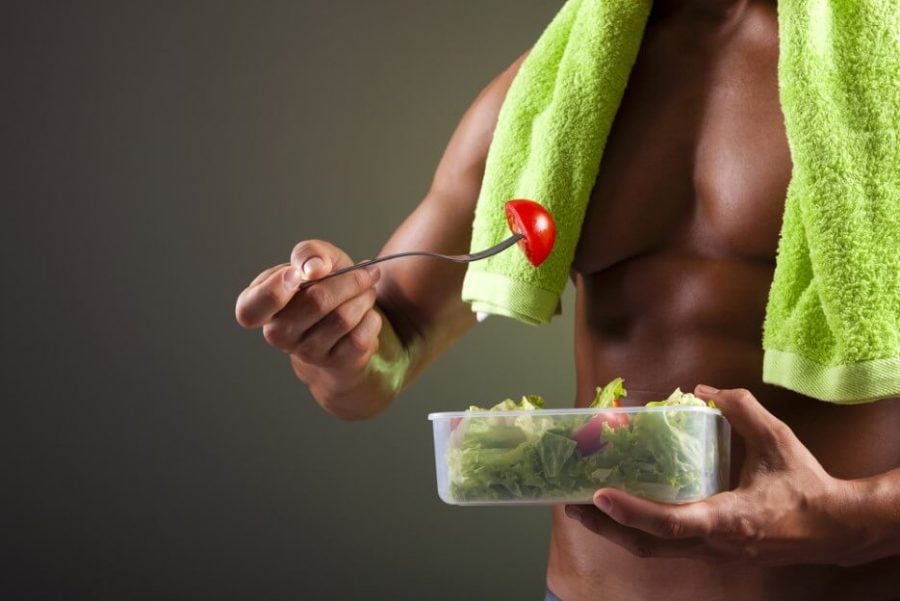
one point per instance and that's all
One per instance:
(673, 269)
(700, 324)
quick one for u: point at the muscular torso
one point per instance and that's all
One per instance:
(673, 270)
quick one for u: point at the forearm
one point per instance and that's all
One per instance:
(877, 511)
(419, 301)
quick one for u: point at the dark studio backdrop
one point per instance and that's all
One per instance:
(156, 156)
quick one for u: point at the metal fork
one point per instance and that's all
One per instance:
(422, 253)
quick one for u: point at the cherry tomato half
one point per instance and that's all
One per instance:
(531, 219)
(590, 437)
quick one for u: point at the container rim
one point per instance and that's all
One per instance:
(573, 411)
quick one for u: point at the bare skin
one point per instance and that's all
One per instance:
(674, 265)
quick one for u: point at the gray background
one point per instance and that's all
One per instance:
(156, 156)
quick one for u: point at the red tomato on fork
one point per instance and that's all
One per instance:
(533, 221)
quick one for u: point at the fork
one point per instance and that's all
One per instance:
(484, 254)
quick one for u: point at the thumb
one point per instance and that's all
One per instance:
(753, 422)
(317, 258)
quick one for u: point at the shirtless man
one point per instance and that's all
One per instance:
(673, 271)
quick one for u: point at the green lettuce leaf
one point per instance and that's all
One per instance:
(609, 393)
(680, 398)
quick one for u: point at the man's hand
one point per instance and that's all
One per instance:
(356, 356)
(785, 510)
(331, 330)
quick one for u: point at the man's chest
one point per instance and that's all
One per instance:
(698, 157)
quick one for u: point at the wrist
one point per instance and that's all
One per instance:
(344, 393)
(362, 390)
(873, 512)
(390, 364)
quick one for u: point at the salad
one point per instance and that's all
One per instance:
(666, 454)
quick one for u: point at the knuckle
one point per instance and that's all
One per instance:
(276, 334)
(781, 432)
(343, 319)
(371, 298)
(671, 527)
(318, 299)
(362, 279)
(744, 396)
(367, 356)
(377, 322)
(728, 502)
(777, 439)
(359, 339)
(747, 530)
(742, 530)
(307, 350)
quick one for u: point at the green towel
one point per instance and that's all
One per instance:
(547, 147)
(832, 327)
(833, 323)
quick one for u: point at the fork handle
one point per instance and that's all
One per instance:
(419, 253)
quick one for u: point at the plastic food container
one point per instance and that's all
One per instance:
(671, 454)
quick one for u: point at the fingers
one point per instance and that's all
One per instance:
(636, 542)
(316, 304)
(658, 519)
(359, 344)
(288, 331)
(269, 293)
(761, 430)
(276, 290)
(331, 323)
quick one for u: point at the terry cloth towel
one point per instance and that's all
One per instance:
(832, 327)
(547, 147)
(833, 322)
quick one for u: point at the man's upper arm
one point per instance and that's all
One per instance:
(422, 297)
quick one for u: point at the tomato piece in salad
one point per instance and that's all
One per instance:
(590, 437)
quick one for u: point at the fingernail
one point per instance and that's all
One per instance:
(575, 513)
(312, 263)
(704, 389)
(603, 503)
(374, 271)
(292, 278)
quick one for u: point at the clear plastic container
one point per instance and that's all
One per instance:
(674, 454)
